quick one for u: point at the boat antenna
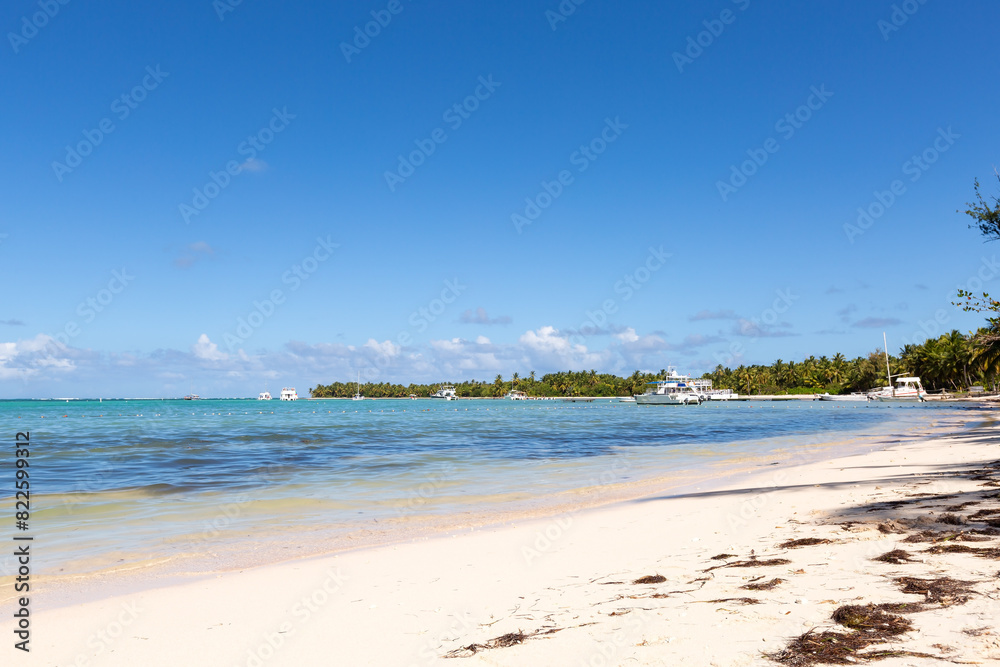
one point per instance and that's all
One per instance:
(885, 349)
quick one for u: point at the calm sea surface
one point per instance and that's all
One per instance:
(115, 483)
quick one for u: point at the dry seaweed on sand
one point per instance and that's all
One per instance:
(503, 641)
(962, 549)
(870, 624)
(961, 506)
(978, 632)
(896, 557)
(756, 562)
(951, 519)
(890, 527)
(943, 591)
(764, 585)
(982, 515)
(902, 607)
(753, 561)
(934, 536)
(740, 600)
(832, 648)
(723, 556)
(650, 579)
(870, 618)
(804, 542)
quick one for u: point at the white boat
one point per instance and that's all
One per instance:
(855, 396)
(677, 389)
(906, 389)
(288, 394)
(446, 391)
(626, 399)
(516, 396)
(357, 393)
(264, 396)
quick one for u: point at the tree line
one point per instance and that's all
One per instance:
(953, 361)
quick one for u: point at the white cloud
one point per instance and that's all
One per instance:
(627, 336)
(48, 369)
(33, 357)
(206, 350)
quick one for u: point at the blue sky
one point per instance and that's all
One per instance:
(697, 171)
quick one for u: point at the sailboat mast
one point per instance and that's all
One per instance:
(888, 373)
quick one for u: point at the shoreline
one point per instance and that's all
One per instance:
(551, 576)
(623, 478)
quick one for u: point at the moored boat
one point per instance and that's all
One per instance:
(445, 391)
(907, 389)
(677, 389)
(288, 394)
(854, 396)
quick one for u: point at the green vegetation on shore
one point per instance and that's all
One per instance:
(952, 362)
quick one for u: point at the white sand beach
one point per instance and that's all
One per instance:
(562, 590)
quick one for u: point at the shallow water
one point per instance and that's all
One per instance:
(124, 482)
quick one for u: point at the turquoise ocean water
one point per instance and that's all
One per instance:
(137, 483)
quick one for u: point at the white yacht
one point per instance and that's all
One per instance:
(677, 389)
(446, 391)
(357, 393)
(703, 387)
(264, 396)
(516, 396)
(906, 389)
(721, 395)
(855, 396)
(288, 394)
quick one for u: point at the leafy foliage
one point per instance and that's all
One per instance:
(952, 361)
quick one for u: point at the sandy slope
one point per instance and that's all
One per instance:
(569, 578)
